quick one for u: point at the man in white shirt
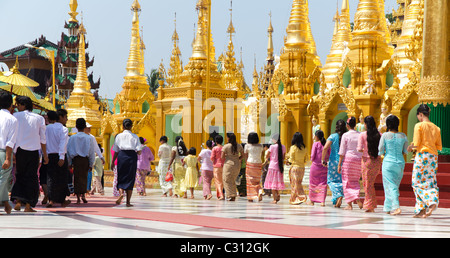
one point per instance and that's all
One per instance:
(81, 155)
(8, 135)
(30, 140)
(58, 175)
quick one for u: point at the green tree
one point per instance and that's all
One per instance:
(153, 80)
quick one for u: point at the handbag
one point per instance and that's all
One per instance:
(169, 176)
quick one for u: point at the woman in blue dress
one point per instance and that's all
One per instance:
(334, 178)
(392, 145)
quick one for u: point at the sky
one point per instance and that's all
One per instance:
(108, 25)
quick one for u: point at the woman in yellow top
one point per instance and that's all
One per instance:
(297, 158)
(191, 178)
(427, 141)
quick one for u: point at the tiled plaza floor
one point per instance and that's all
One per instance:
(156, 217)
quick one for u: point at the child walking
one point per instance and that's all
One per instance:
(97, 173)
(191, 178)
(207, 169)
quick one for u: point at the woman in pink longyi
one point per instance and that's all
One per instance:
(350, 164)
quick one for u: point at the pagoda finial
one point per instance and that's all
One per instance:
(270, 48)
(297, 30)
(135, 64)
(82, 84)
(231, 29)
(175, 68)
(199, 47)
(73, 11)
(367, 20)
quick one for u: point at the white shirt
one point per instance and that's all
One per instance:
(254, 153)
(96, 148)
(57, 137)
(31, 132)
(81, 144)
(8, 129)
(127, 141)
(164, 152)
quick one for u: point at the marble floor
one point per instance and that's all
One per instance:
(156, 217)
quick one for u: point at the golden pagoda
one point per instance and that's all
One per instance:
(339, 48)
(297, 74)
(135, 101)
(197, 106)
(412, 12)
(82, 103)
(176, 65)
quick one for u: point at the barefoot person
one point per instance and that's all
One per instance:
(30, 139)
(81, 156)
(164, 152)
(232, 153)
(350, 164)
(274, 179)
(207, 169)
(8, 136)
(218, 162)
(191, 178)
(371, 162)
(253, 153)
(318, 172)
(392, 145)
(57, 136)
(126, 148)
(297, 157)
(334, 179)
(427, 141)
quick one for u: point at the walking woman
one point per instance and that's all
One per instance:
(334, 179)
(164, 152)
(207, 169)
(127, 147)
(318, 172)
(143, 167)
(427, 141)
(297, 157)
(274, 179)
(232, 153)
(371, 162)
(218, 162)
(392, 145)
(253, 153)
(350, 165)
(179, 152)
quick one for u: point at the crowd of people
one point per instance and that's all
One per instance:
(36, 155)
(338, 163)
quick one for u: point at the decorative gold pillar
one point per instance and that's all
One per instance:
(435, 85)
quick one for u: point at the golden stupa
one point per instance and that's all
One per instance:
(82, 103)
(135, 101)
(194, 105)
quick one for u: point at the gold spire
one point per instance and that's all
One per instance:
(135, 89)
(270, 48)
(73, 11)
(339, 44)
(81, 84)
(297, 30)
(175, 68)
(135, 64)
(383, 23)
(195, 72)
(82, 103)
(367, 20)
(409, 25)
(230, 72)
